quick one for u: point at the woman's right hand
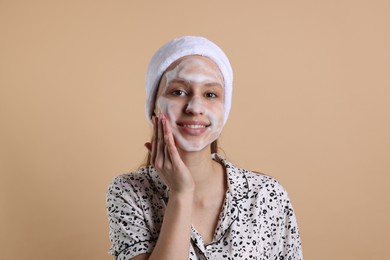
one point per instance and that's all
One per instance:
(166, 158)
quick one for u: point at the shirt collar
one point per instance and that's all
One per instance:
(237, 182)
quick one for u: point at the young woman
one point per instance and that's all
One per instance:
(189, 202)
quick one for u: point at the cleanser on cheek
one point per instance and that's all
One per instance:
(185, 141)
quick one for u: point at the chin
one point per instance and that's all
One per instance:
(189, 147)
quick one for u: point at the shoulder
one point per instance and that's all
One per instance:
(263, 180)
(269, 194)
(243, 180)
(139, 183)
(265, 185)
(129, 182)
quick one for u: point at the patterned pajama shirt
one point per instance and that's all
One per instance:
(257, 219)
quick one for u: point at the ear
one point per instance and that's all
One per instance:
(155, 111)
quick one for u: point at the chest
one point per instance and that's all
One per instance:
(236, 238)
(205, 220)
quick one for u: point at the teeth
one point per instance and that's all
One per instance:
(194, 126)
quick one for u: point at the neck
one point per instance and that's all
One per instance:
(208, 174)
(199, 163)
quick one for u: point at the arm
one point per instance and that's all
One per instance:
(174, 239)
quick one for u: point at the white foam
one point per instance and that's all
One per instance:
(193, 70)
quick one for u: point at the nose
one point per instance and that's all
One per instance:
(195, 106)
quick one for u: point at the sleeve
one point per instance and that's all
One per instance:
(286, 237)
(129, 233)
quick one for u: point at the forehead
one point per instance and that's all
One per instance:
(195, 62)
(189, 64)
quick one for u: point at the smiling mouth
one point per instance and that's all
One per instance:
(193, 126)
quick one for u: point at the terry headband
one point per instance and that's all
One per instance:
(178, 48)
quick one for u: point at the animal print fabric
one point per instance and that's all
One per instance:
(257, 220)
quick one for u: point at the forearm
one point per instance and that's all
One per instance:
(174, 239)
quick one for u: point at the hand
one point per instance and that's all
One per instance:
(166, 159)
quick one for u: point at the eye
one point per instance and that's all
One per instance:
(178, 92)
(211, 95)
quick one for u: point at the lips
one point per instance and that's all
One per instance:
(192, 127)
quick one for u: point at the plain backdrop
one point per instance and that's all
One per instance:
(310, 108)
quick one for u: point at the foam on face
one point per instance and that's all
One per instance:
(196, 71)
(185, 70)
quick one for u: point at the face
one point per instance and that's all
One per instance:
(191, 95)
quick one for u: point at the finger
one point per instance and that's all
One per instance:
(154, 141)
(167, 158)
(170, 143)
(166, 131)
(160, 144)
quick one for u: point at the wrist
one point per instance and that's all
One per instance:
(186, 196)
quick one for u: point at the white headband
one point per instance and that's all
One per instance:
(178, 48)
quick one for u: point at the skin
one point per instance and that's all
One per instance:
(189, 94)
(190, 91)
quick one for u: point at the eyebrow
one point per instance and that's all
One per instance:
(212, 84)
(185, 82)
(176, 80)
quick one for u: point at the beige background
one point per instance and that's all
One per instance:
(310, 107)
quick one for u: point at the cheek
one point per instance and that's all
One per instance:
(168, 108)
(162, 105)
(216, 115)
